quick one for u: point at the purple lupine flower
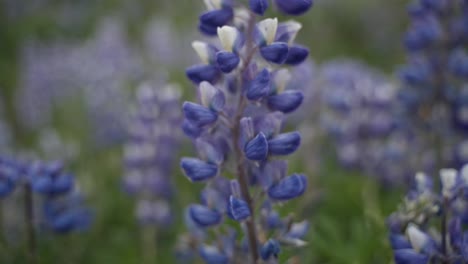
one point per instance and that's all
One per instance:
(61, 207)
(355, 106)
(219, 13)
(97, 69)
(150, 152)
(237, 129)
(430, 224)
(294, 7)
(434, 77)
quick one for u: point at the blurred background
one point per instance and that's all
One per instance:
(68, 75)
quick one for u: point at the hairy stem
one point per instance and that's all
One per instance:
(29, 222)
(239, 157)
(243, 182)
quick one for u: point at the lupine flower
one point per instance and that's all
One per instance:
(294, 7)
(97, 69)
(150, 152)
(219, 13)
(61, 206)
(356, 107)
(435, 76)
(238, 124)
(429, 225)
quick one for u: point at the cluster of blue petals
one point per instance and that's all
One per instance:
(236, 128)
(150, 152)
(435, 77)
(61, 205)
(430, 225)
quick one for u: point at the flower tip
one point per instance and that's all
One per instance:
(258, 6)
(257, 148)
(294, 7)
(198, 170)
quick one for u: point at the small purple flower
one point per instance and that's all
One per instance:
(198, 114)
(270, 249)
(259, 87)
(409, 256)
(198, 170)
(219, 13)
(288, 188)
(212, 255)
(296, 55)
(257, 148)
(258, 6)
(204, 216)
(238, 208)
(294, 7)
(276, 52)
(284, 144)
(286, 102)
(203, 72)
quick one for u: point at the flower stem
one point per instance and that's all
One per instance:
(149, 244)
(29, 223)
(443, 230)
(250, 223)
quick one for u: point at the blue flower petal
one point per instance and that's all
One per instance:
(399, 242)
(298, 230)
(208, 29)
(276, 52)
(204, 216)
(191, 130)
(270, 249)
(259, 87)
(198, 170)
(217, 18)
(6, 187)
(227, 61)
(42, 184)
(286, 102)
(284, 144)
(239, 209)
(288, 188)
(212, 255)
(294, 7)
(203, 72)
(257, 148)
(296, 55)
(409, 256)
(198, 114)
(258, 6)
(63, 183)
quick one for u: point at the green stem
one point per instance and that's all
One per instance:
(29, 222)
(149, 244)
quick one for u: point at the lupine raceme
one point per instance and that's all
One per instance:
(237, 129)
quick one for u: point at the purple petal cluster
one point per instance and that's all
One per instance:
(356, 107)
(237, 127)
(150, 152)
(94, 70)
(435, 76)
(52, 191)
(430, 225)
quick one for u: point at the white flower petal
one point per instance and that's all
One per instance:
(202, 50)
(227, 36)
(417, 238)
(268, 29)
